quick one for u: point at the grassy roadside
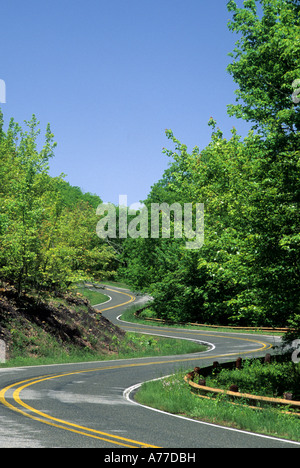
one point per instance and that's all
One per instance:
(94, 297)
(132, 346)
(174, 396)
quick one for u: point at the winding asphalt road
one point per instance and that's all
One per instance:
(91, 405)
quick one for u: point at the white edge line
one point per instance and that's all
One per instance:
(102, 303)
(211, 346)
(129, 390)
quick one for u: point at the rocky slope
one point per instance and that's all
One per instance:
(34, 326)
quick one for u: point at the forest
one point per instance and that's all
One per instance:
(48, 237)
(247, 271)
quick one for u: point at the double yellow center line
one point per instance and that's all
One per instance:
(37, 415)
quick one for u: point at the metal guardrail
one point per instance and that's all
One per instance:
(205, 325)
(237, 395)
(248, 396)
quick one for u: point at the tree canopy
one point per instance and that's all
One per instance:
(47, 227)
(247, 272)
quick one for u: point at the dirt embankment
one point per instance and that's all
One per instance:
(29, 324)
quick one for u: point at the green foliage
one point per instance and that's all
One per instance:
(256, 378)
(47, 227)
(247, 272)
(71, 196)
(266, 62)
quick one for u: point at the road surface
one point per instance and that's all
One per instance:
(91, 405)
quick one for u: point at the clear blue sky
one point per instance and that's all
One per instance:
(110, 77)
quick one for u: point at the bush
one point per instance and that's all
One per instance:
(271, 380)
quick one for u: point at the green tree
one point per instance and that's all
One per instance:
(266, 63)
(47, 227)
(247, 272)
(22, 191)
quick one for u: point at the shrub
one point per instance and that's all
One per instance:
(261, 379)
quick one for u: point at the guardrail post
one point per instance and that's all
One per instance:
(268, 358)
(233, 388)
(238, 363)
